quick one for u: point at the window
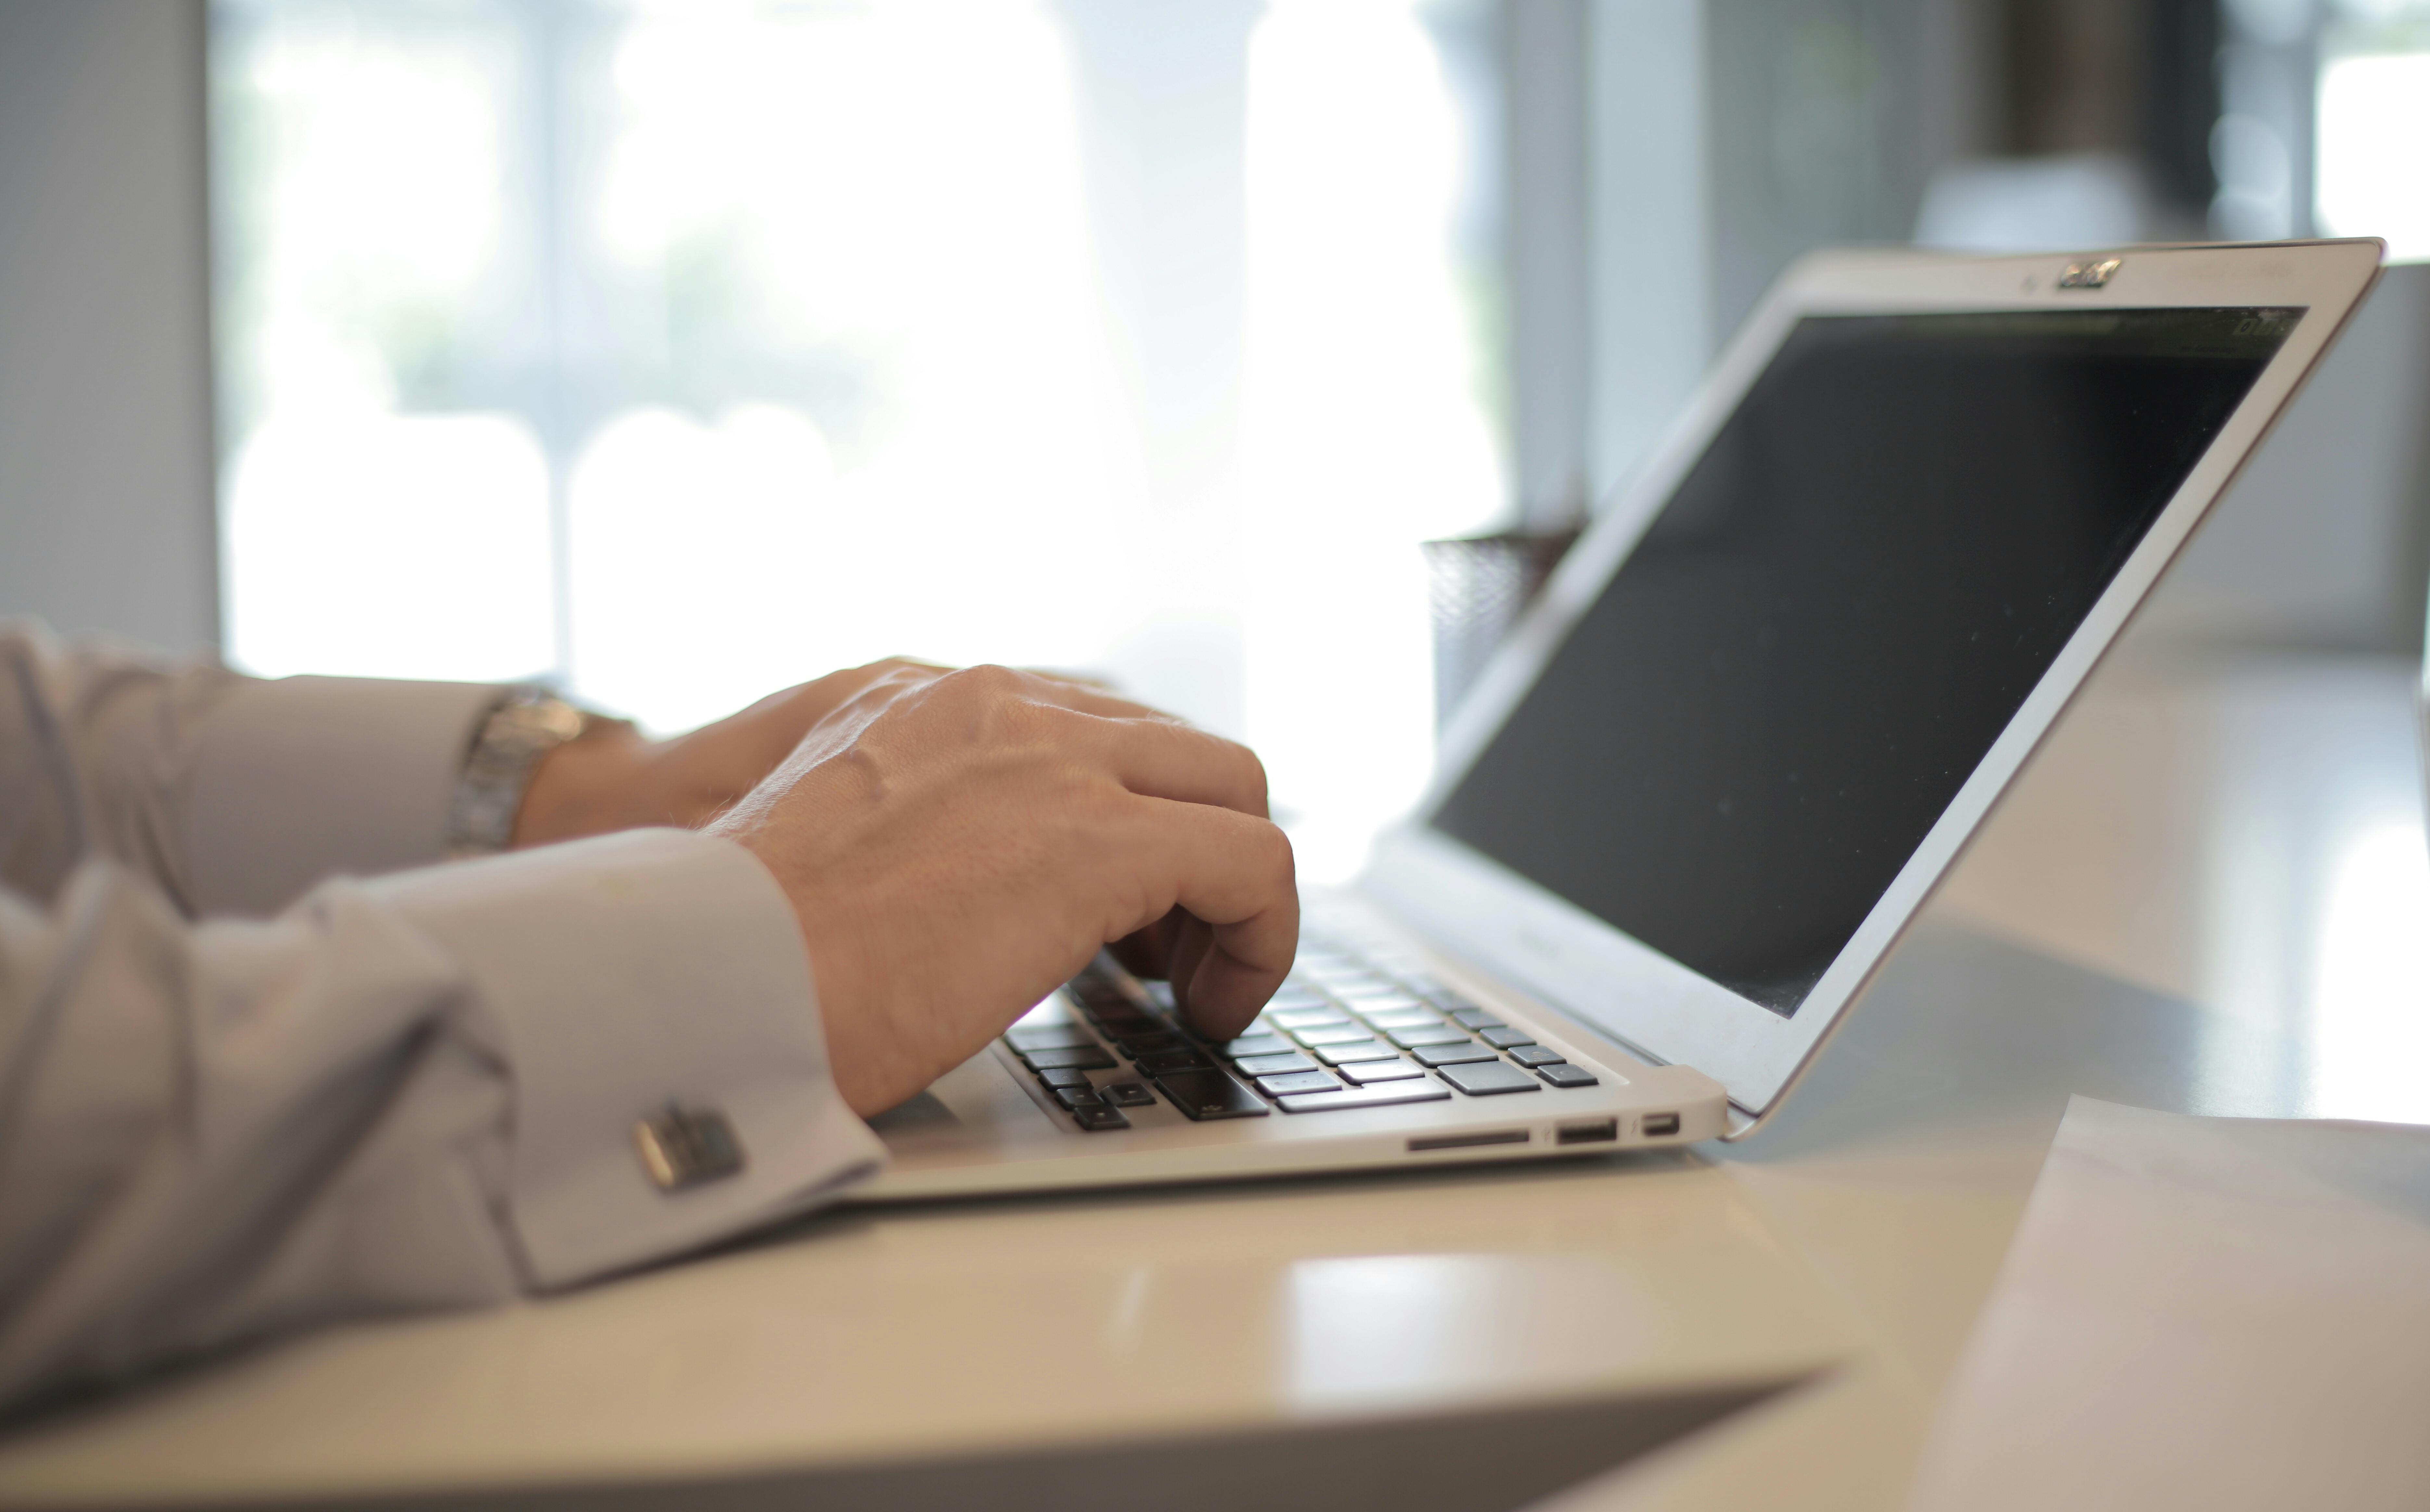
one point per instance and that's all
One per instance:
(682, 351)
(2373, 125)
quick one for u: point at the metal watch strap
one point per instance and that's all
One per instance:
(524, 726)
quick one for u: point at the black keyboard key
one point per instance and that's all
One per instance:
(1087, 1057)
(1047, 1036)
(1383, 1095)
(1064, 1076)
(1561, 1074)
(1101, 1118)
(1211, 1094)
(1535, 1055)
(1394, 1069)
(1466, 1050)
(1488, 1078)
(1128, 1094)
(1332, 1034)
(1103, 997)
(1095, 993)
(1475, 1018)
(1442, 1034)
(1155, 1040)
(1355, 1050)
(1275, 1065)
(1077, 1098)
(1506, 1038)
(1258, 1044)
(1293, 1082)
(1172, 1060)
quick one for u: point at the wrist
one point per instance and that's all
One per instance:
(870, 1069)
(586, 785)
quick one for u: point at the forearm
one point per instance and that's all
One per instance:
(410, 1093)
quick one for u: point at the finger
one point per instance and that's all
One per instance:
(1191, 941)
(1178, 762)
(1234, 875)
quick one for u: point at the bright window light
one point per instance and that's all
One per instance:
(2374, 174)
(1365, 435)
(384, 545)
(2370, 989)
(684, 351)
(888, 199)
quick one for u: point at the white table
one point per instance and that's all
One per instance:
(2243, 835)
(1446, 1338)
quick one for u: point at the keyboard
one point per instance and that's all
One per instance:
(1350, 1028)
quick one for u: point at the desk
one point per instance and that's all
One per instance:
(1814, 1285)
(2246, 836)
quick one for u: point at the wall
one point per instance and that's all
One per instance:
(2320, 545)
(106, 454)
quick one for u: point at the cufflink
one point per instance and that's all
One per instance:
(684, 1147)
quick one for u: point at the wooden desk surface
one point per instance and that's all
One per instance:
(2219, 835)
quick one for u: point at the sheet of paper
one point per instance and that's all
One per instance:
(2221, 1313)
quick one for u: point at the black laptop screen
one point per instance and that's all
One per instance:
(1746, 737)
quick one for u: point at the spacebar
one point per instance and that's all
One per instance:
(1424, 1089)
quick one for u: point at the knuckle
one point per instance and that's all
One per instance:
(1278, 852)
(1253, 771)
(986, 680)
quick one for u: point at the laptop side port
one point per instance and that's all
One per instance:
(1658, 1124)
(1462, 1141)
(1601, 1131)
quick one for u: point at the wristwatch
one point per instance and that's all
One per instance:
(524, 725)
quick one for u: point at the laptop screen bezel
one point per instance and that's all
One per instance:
(1660, 1009)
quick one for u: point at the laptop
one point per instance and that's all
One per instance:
(1690, 806)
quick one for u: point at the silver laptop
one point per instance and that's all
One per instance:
(1691, 807)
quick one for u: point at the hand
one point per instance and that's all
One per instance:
(956, 847)
(617, 778)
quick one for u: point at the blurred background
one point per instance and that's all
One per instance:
(677, 352)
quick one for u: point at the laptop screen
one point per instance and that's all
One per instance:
(1742, 741)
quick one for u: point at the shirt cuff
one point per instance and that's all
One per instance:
(625, 973)
(301, 777)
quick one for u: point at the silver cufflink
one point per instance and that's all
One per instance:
(684, 1147)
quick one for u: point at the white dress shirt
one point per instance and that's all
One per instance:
(264, 1063)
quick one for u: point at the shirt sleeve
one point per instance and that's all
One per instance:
(231, 795)
(292, 780)
(410, 1092)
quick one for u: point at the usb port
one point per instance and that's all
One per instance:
(1658, 1124)
(1601, 1131)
